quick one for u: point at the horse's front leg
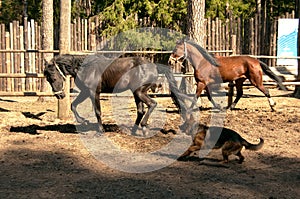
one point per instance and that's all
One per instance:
(239, 92)
(95, 98)
(199, 89)
(208, 92)
(79, 99)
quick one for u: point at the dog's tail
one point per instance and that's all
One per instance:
(253, 147)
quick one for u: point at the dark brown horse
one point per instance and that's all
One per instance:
(97, 74)
(230, 69)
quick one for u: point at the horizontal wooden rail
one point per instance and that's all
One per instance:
(26, 93)
(28, 51)
(21, 75)
(270, 57)
(49, 94)
(39, 75)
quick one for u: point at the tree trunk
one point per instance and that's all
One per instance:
(47, 28)
(196, 21)
(47, 36)
(297, 88)
(64, 48)
(65, 26)
(259, 15)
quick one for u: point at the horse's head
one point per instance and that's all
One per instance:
(55, 77)
(179, 52)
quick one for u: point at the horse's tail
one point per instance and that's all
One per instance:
(177, 97)
(272, 75)
(253, 147)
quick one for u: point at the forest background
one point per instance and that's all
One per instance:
(120, 15)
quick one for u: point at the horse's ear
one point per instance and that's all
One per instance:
(45, 62)
(51, 62)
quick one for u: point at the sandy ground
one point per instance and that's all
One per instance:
(43, 157)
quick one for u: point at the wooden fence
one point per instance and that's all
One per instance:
(21, 55)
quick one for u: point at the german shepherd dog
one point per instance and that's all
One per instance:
(229, 141)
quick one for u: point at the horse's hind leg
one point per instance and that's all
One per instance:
(95, 98)
(258, 83)
(267, 94)
(140, 113)
(141, 93)
(239, 92)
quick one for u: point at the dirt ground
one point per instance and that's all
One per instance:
(43, 157)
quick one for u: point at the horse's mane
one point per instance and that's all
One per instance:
(204, 52)
(69, 64)
(70, 61)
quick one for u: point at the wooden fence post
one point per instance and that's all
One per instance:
(64, 48)
(47, 39)
(8, 59)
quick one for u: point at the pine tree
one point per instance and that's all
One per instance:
(196, 21)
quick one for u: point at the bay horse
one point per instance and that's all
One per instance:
(95, 74)
(230, 69)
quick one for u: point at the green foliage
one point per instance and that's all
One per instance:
(280, 7)
(122, 15)
(15, 10)
(143, 39)
(235, 8)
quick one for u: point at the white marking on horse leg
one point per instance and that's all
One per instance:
(271, 102)
(145, 130)
(232, 106)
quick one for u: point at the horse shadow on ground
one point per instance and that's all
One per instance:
(34, 129)
(4, 110)
(7, 100)
(33, 116)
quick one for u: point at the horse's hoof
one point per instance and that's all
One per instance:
(98, 134)
(182, 158)
(145, 130)
(232, 107)
(218, 107)
(182, 127)
(100, 130)
(85, 122)
(134, 130)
